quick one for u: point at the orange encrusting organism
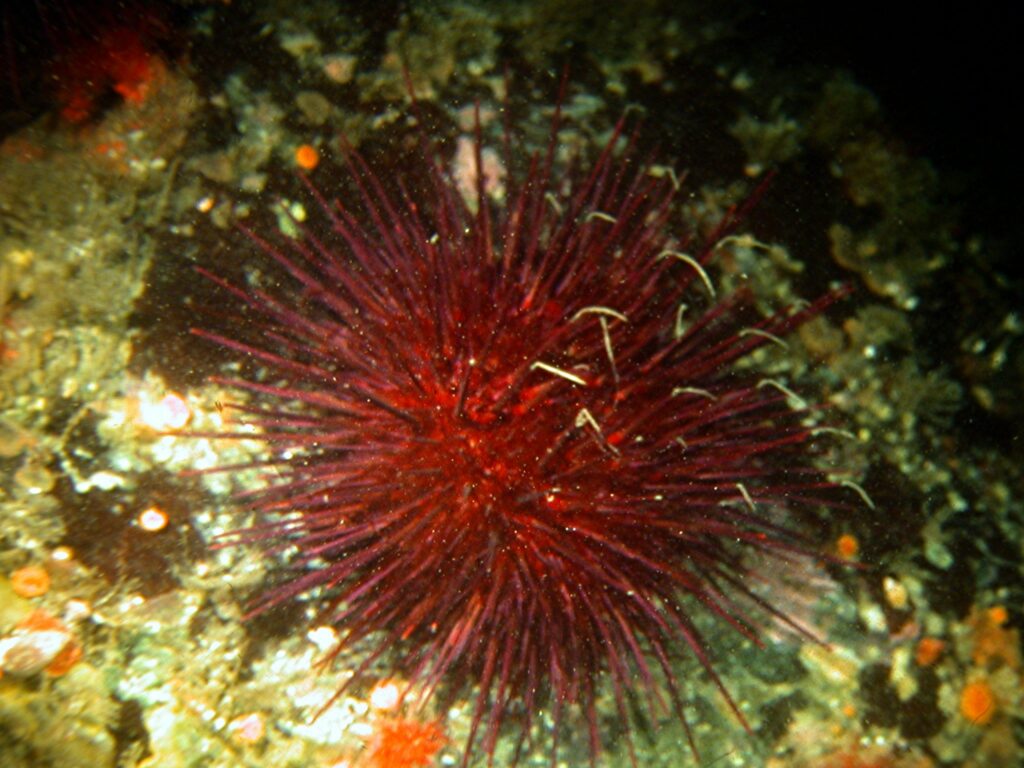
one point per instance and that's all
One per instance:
(847, 546)
(853, 760)
(928, 651)
(65, 660)
(993, 643)
(998, 615)
(978, 702)
(306, 157)
(117, 57)
(405, 743)
(30, 581)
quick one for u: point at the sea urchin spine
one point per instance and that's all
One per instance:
(506, 449)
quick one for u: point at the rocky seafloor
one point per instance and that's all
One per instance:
(130, 154)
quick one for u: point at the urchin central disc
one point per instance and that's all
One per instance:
(491, 475)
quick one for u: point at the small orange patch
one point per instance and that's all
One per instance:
(40, 620)
(847, 546)
(30, 581)
(993, 644)
(998, 615)
(306, 157)
(65, 660)
(402, 743)
(978, 703)
(859, 758)
(928, 651)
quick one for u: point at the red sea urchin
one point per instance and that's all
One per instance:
(506, 450)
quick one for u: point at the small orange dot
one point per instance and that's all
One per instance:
(978, 703)
(41, 621)
(847, 546)
(70, 655)
(30, 581)
(306, 157)
(998, 615)
(929, 649)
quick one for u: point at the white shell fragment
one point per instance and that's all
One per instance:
(25, 653)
